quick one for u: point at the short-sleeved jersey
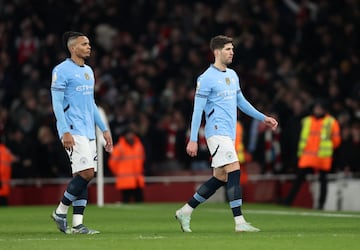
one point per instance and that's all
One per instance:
(77, 83)
(220, 88)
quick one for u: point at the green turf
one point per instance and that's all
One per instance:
(153, 226)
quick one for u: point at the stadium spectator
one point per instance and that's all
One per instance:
(72, 90)
(218, 94)
(4, 115)
(172, 125)
(349, 150)
(26, 44)
(290, 134)
(21, 146)
(52, 160)
(267, 151)
(202, 161)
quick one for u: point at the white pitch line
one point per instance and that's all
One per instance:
(297, 213)
(141, 237)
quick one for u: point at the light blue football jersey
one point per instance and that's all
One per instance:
(73, 85)
(218, 94)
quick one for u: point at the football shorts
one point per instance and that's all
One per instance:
(222, 150)
(83, 155)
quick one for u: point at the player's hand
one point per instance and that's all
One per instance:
(271, 122)
(192, 148)
(108, 141)
(68, 141)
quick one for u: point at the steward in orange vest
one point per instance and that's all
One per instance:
(126, 162)
(319, 137)
(6, 159)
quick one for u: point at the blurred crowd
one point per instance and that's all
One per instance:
(146, 56)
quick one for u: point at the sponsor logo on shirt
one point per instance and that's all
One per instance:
(85, 89)
(227, 93)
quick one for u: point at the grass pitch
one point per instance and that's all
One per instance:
(153, 226)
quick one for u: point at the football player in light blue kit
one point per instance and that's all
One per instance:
(72, 90)
(218, 95)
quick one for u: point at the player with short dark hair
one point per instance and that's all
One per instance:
(218, 94)
(72, 90)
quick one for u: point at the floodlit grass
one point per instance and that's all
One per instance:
(153, 226)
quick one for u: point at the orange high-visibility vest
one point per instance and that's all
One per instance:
(126, 162)
(241, 153)
(318, 139)
(6, 159)
(239, 145)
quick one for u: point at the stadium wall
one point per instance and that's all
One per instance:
(158, 189)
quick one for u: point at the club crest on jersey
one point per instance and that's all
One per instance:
(87, 77)
(227, 80)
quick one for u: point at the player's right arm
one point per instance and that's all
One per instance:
(199, 105)
(64, 130)
(57, 96)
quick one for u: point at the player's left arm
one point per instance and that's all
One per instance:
(106, 132)
(245, 106)
(98, 120)
(251, 111)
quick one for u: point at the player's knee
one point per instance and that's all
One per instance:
(87, 174)
(232, 167)
(220, 174)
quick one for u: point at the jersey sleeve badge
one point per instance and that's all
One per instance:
(197, 86)
(54, 78)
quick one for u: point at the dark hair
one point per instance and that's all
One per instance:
(218, 42)
(70, 34)
(322, 102)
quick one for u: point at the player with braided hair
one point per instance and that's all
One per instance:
(72, 90)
